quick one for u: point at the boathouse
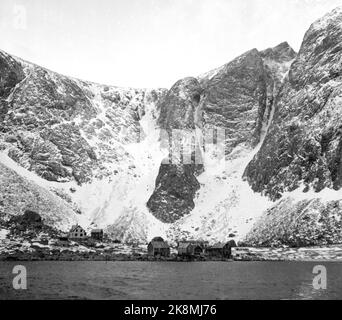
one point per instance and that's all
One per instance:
(221, 250)
(158, 247)
(188, 248)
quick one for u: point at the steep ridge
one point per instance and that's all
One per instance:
(300, 160)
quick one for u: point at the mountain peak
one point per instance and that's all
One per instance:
(281, 53)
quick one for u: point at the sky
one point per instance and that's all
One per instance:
(149, 43)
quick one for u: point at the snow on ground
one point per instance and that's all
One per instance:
(225, 207)
(326, 253)
(325, 195)
(119, 201)
(225, 204)
(3, 234)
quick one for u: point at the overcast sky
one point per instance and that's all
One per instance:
(149, 43)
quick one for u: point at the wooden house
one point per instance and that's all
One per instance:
(63, 241)
(77, 233)
(188, 248)
(97, 234)
(184, 248)
(158, 247)
(221, 250)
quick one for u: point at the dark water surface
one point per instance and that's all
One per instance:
(170, 280)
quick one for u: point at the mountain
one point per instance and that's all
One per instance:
(234, 103)
(250, 150)
(300, 159)
(101, 149)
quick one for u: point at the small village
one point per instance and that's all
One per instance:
(26, 237)
(191, 249)
(158, 248)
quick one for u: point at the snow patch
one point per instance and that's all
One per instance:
(3, 234)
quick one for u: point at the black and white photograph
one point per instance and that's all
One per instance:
(170, 150)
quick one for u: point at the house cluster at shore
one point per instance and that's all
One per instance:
(77, 233)
(158, 247)
(191, 249)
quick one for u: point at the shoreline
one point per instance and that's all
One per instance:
(47, 248)
(170, 260)
(98, 256)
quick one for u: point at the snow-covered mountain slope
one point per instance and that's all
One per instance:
(19, 193)
(98, 148)
(93, 146)
(261, 128)
(300, 160)
(300, 219)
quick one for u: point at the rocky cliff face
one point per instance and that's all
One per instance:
(302, 150)
(240, 95)
(303, 145)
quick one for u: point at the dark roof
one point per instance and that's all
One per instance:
(159, 244)
(160, 239)
(221, 245)
(197, 246)
(218, 245)
(184, 245)
(195, 242)
(74, 227)
(63, 239)
(96, 230)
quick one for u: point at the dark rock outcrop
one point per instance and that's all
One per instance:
(29, 220)
(176, 183)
